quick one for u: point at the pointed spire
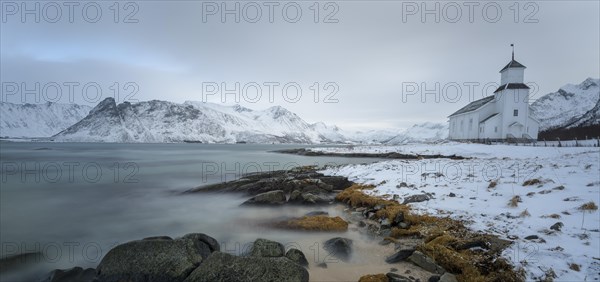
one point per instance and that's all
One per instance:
(513, 51)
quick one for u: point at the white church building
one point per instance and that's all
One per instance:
(504, 116)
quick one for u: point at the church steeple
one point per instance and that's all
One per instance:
(513, 72)
(513, 53)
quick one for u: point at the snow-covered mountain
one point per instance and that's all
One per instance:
(161, 121)
(38, 120)
(424, 132)
(570, 106)
(371, 136)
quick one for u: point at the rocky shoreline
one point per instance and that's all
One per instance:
(390, 155)
(442, 249)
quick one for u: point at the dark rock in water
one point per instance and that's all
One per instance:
(337, 182)
(75, 274)
(451, 195)
(225, 267)
(434, 278)
(315, 213)
(322, 265)
(557, 226)
(339, 247)
(295, 196)
(385, 242)
(399, 256)
(426, 263)
(361, 224)
(153, 260)
(267, 248)
(532, 237)
(212, 244)
(276, 197)
(158, 238)
(296, 256)
(416, 198)
(395, 277)
(393, 269)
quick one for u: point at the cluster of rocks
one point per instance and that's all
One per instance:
(297, 186)
(379, 226)
(193, 257)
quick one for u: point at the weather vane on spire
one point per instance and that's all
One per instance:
(513, 51)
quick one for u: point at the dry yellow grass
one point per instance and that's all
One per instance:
(373, 278)
(441, 237)
(315, 223)
(514, 201)
(533, 181)
(574, 266)
(589, 206)
(525, 213)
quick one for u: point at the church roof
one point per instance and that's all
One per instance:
(513, 64)
(491, 116)
(473, 105)
(512, 86)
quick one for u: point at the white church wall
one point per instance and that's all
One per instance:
(512, 75)
(514, 99)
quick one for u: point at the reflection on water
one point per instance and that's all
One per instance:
(73, 202)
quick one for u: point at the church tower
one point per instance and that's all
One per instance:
(512, 99)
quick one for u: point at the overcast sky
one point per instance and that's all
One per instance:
(369, 54)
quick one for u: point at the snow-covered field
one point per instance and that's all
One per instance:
(569, 176)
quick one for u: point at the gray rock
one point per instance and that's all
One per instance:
(451, 195)
(75, 274)
(295, 196)
(434, 278)
(153, 260)
(399, 256)
(557, 226)
(339, 247)
(315, 213)
(225, 267)
(448, 277)
(399, 218)
(385, 223)
(212, 244)
(296, 256)
(267, 248)
(426, 263)
(395, 277)
(532, 237)
(158, 238)
(276, 197)
(416, 198)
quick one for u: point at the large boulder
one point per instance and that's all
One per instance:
(155, 259)
(75, 274)
(225, 267)
(267, 248)
(276, 197)
(297, 256)
(339, 247)
(426, 263)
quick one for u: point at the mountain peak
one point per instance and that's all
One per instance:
(589, 82)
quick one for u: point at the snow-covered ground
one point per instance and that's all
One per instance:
(570, 177)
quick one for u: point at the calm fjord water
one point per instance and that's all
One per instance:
(72, 202)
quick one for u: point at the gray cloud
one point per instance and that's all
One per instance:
(369, 54)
